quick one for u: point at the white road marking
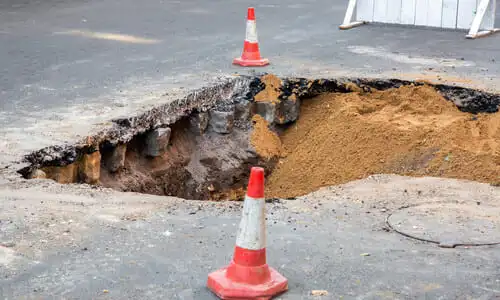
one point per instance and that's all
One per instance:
(406, 59)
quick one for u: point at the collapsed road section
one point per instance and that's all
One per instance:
(306, 133)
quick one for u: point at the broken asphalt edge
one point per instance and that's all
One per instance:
(230, 90)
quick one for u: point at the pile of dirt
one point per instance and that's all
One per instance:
(411, 130)
(266, 142)
(272, 88)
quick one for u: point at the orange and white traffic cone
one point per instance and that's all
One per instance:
(251, 53)
(248, 276)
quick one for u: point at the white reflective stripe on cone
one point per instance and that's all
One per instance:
(251, 35)
(252, 231)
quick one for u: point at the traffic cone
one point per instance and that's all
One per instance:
(251, 54)
(248, 276)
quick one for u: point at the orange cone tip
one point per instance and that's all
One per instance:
(251, 14)
(256, 183)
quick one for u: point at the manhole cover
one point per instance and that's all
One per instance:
(449, 224)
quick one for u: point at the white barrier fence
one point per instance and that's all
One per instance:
(477, 16)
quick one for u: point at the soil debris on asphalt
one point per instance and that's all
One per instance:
(411, 130)
(272, 88)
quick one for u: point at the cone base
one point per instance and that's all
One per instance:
(227, 289)
(251, 62)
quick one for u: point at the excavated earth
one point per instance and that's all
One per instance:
(411, 130)
(306, 134)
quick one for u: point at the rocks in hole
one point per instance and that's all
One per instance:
(279, 112)
(90, 168)
(86, 170)
(243, 113)
(156, 142)
(116, 160)
(288, 110)
(199, 121)
(221, 121)
(266, 110)
(63, 174)
(37, 174)
(275, 106)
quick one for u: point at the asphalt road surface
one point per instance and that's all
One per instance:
(81, 243)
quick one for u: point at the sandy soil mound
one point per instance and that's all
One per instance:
(266, 142)
(409, 131)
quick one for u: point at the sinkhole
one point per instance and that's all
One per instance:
(306, 133)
